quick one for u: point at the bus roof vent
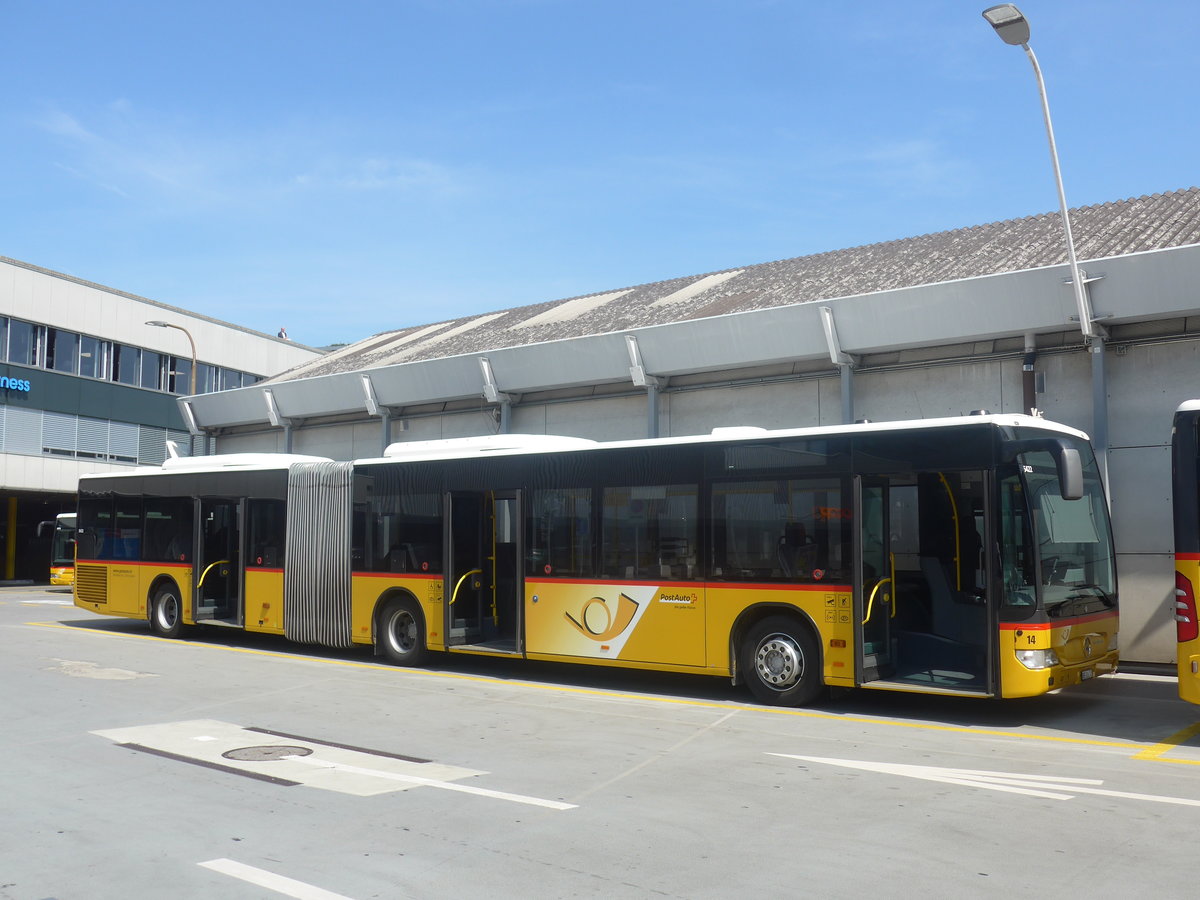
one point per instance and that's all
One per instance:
(238, 460)
(981, 412)
(485, 443)
(862, 421)
(732, 431)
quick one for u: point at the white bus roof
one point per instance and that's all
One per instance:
(219, 463)
(517, 444)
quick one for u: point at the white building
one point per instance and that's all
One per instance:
(87, 386)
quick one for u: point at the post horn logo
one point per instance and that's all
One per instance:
(598, 621)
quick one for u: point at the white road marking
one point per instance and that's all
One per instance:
(432, 782)
(47, 603)
(1047, 786)
(278, 883)
(342, 769)
(80, 669)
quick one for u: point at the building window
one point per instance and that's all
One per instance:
(152, 366)
(179, 375)
(3, 338)
(93, 357)
(25, 343)
(206, 378)
(62, 351)
(127, 364)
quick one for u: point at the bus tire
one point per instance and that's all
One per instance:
(781, 662)
(401, 633)
(166, 612)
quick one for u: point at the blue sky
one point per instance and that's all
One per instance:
(343, 169)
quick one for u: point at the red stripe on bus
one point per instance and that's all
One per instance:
(264, 569)
(1191, 557)
(1057, 623)
(418, 575)
(132, 562)
(707, 585)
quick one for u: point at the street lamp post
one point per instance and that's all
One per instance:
(1013, 28)
(159, 324)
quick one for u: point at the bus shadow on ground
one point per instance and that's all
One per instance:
(1136, 710)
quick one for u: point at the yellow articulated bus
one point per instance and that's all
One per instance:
(969, 556)
(1185, 500)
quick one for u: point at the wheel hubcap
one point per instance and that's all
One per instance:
(168, 612)
(402, 631)
(779, 661)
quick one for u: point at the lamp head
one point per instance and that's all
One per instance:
(1009, 23)
(157, 324)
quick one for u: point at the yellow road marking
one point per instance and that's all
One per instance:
(1152, 753)
(1180, 737)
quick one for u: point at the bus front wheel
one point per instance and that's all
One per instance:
(166, 613)
(402, 633)
(781, 662)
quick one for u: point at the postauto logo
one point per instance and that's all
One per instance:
(14, 384)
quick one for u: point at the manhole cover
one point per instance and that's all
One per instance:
(265, 753)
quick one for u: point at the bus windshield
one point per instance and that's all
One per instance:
(62, 547)
(1075, 560)
(1057, 554)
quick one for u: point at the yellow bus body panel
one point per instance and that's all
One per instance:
(62, 575)
(1081, 646)
(264, 600)
(367, 587)
(674, 626)
(1188, 660)
(628, 621)
(123, 589)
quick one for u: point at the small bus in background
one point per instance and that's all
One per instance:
(62, 547)
(968, 556)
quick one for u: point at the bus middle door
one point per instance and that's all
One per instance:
(483, 573)
(217, 575)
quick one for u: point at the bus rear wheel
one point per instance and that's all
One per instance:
(401, 633)
(166, 612)
(781, 662)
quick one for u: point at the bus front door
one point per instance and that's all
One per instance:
(483, 575)
(921, 607)
(217, 576)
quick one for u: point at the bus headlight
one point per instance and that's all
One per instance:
(1037, 659)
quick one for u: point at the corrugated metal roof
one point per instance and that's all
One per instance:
(1154, 222)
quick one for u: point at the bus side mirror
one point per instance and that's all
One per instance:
(1070, 473)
